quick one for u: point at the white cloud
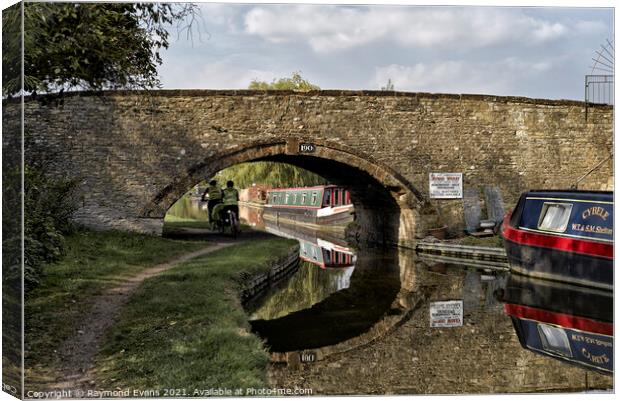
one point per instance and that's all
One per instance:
(590, 27)
(226, 74)
(332, 28)
(496, 78)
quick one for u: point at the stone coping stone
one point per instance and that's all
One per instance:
(329, 92)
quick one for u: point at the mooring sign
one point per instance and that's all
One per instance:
(446, 185)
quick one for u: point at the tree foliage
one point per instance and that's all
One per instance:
(389, 86)
(274, 174)
(87, 45)
(48, 208)
(296, 83)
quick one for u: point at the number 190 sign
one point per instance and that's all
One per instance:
(307, 148)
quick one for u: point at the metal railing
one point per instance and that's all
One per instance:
(599, 89)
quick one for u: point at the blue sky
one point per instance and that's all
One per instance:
(541, 52)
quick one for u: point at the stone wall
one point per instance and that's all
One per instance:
(136, 153)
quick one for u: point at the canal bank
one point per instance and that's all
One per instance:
(186, 328)
(102, 271)
(95, 261)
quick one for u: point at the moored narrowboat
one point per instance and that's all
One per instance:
(564, 236)
(571, 323)
(319, 205)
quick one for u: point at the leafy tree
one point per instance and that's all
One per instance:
(275, 174)
(88, 45)
(295, 83)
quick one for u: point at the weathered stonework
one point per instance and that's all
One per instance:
(136, 153)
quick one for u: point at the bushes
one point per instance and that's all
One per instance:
(48, 207)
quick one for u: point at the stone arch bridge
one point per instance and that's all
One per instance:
(135, 153)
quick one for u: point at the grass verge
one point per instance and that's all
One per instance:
(175, 225)
(94, 262)
(494, 241)
(186, 328)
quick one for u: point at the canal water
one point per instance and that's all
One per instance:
(189, 208)
(358, 321)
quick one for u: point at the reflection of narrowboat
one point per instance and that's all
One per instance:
(326, 204)
(562, 235)
(321, 252)
(567, 322)
(326, 254)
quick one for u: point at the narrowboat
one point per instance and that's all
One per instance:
(319, 205)
(564, 236)
(570, 323)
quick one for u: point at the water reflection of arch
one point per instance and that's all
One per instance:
(341, 316)
(396, 293)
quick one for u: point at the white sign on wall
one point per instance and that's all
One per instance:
(446, 313)
(445, 185)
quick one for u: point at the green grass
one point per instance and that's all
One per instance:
(170, 218)
(174, 224)
(179, 222)
(494, 241)
(94, 261)
(186, 328)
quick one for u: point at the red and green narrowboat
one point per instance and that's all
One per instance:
(564, 236)
(319, 205)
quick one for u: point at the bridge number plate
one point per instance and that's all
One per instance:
(307, 357)
(307, 148)
(447, 314)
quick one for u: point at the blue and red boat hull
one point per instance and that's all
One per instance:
(581, 254)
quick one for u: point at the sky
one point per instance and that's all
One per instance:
(540, 52)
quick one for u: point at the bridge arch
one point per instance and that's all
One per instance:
(387, 205)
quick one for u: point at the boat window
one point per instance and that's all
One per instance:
(275, 198)
(295, 198)
(554, 216)
(313, 198)
(288, 196)
(554, 339)
(303, 198)
(326, 197)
